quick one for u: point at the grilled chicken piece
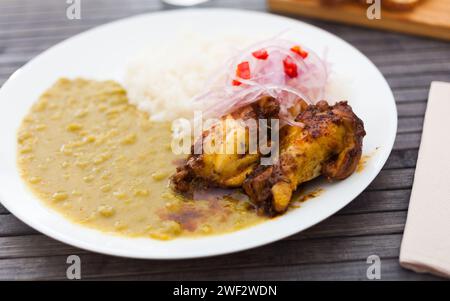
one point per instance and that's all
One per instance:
(330, 143)
(226, 168)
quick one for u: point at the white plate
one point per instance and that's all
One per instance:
(102, 53)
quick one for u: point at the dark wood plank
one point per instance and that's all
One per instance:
(418, 80)
(411, 109)
(8, 71)
(10, 226)
(15, 59)
(359, 248)
(3, 210)
(408, 94)
(403, 46)
(59, 13)
(16, 252)
(410, 124)
(407, 141)
(358, 224)
(257, 264)
(402, 159)
(354, 270)
(418, 68)
(393, 179)
(397, 58)
(390, 268)
(379, 201)
(34, 246)
(55, 5)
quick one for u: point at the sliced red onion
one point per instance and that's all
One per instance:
(268, 78)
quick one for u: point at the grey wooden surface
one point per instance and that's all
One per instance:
(335, 249)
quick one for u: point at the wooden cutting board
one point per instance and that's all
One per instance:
(431, 18)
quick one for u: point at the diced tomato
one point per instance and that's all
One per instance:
(297, 49)
(290, 67)
(243, 70)
(261, 54)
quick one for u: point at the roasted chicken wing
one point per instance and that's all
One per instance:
(329, 144)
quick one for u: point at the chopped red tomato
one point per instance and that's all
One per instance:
(297, 49)
(260, 54)
(236, 82)
(290, 67)
(243, 70)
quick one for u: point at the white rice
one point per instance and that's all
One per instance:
(163, 77)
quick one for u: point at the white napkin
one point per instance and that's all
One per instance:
(426, 240)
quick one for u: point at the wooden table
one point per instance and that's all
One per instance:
(336, 249)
